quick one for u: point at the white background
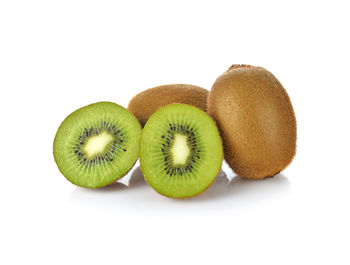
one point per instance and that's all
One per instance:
(57, 56)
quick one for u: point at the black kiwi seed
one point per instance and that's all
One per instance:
(108, 154)
(168, 142)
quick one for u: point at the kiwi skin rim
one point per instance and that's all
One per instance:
(187, 197)
(108, 184)
(113, 181)
(210, 184)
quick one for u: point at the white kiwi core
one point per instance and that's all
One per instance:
(97, 144)
(180, 150)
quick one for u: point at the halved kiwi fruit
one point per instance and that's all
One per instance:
(144, 104)
(256, 121)
(97, 144)
(180, 151)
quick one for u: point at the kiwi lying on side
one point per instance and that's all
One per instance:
(97, 144)
(144, 104)
(256, 121)
(180, 151)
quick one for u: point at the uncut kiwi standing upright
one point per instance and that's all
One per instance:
(144, 104)
(256, 121)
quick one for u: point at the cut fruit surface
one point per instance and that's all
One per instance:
(97, 144)
(180, 151)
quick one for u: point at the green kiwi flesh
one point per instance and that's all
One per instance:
(180, 151)
(97, 144)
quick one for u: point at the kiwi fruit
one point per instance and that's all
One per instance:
(97, 144)
(147, 102)
(256, 121)
(180, 151)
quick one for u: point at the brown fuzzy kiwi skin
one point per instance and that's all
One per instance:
(256, 120)
(144, 104)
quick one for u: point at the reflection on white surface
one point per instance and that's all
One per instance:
(132, 192)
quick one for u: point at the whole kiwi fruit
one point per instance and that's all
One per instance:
(144, 104)
(256, 121)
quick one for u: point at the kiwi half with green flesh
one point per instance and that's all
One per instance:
(97, 144)
(180, 151)
(256, 121)
(147, 102)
